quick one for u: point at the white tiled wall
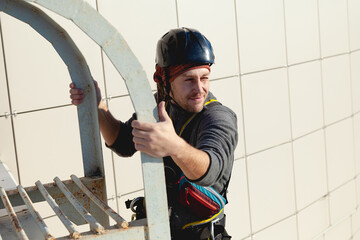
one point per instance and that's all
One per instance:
(228, 93)
(340, 154)
(212, 18)
(4, 106)
(302, 32)
(353, 8)
(310, 169)
(355, 80)
(336, 88)
(288, 69)
(270, 176)
(261, 34)
(357, 142)
(342, 201)
(283, 230)
(313, 219)
(339, 231)
(334, 36)
(7, 148)
(48, 145)
(39, 78)
(305, 98)
(266, 112)
(239, 201)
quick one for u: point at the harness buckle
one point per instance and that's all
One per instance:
(212, 224)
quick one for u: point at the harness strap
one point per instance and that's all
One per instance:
(219, 215)
(192, 117)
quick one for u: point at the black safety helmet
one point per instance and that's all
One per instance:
(183, 46)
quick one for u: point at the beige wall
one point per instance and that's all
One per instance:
(289, 69)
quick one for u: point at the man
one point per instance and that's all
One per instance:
(196, 135)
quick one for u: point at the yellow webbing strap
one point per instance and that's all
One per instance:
(210, 101)
(187, 122)
(203, 221)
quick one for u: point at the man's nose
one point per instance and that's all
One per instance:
(198, 85)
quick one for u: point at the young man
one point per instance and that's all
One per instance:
(196, 135)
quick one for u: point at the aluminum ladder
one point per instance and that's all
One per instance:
(88, 194)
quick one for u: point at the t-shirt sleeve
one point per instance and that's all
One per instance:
(217, 136)
(124, 145)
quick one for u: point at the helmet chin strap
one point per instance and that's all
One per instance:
(169, 98)
(168, 90)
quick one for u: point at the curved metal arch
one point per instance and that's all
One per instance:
(116, 48)
(79, 73)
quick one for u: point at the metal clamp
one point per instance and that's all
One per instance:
(7, 115)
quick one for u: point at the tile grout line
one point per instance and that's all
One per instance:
(107, 104)
(216, 79)
(328, 194)
(330, 226)
(352, 110)
(243, 120)
(300, 137)
(351, 91)
(177, 13)
(10, 106)
(342, 219)
(299, 63)
(323, 113)
(290, 120)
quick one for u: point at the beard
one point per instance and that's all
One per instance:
(193, 103)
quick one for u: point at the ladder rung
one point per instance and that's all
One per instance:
(14, 220)
(109, 211)
(62, 192)
(67, 223)
(38, 219)
(94, 225)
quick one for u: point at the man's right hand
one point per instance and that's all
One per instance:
(77, 94)
(109, 126)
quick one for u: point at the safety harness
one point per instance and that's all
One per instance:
(206, 201)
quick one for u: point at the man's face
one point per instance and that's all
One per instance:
(190, 89)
